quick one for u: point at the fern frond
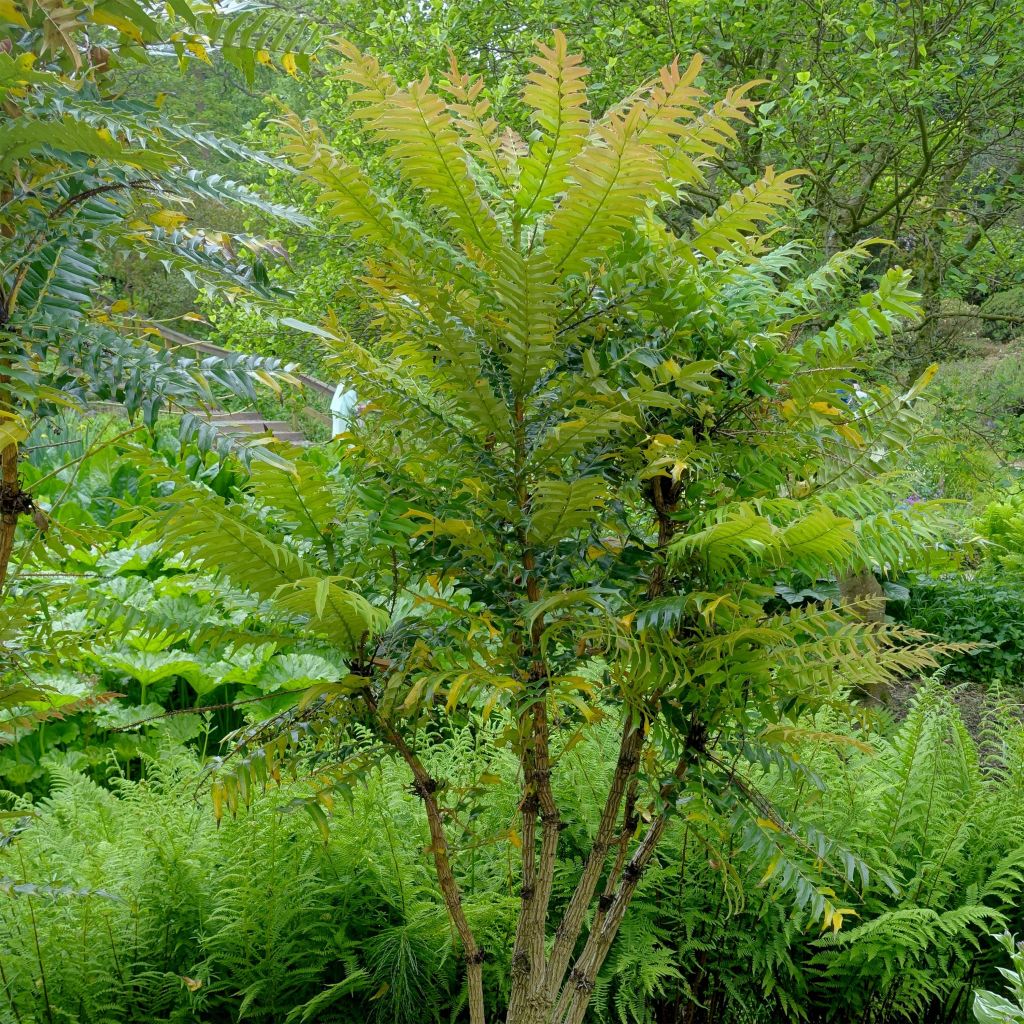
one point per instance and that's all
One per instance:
(877, 314)
(708, 135)
(472, 117)
(199, 526)
(347, 619)
(671, 97)
(417, 128)
(304, 495)
(529, 297)
(560, 507)
(614, 180)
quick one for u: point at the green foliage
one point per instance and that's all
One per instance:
(992, 1008)
(613, 417)
(180, 920)
(170, 915)
(995, 265)
(116, 632)
(982, 609)
(1001, 527)
(86, 174)
(1009, 304)
(979, 403)
(599, 438)
(924, 813)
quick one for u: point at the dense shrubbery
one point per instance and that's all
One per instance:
(984, 603)
(981, 609)
(1008, 305)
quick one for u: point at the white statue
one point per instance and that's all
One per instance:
(344, 408)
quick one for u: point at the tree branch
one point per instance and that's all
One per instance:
(425, 788)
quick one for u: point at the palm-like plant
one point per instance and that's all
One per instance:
(597, 446)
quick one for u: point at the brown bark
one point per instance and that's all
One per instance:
(565, 1000)
(9, 492)
(527, 1001)
(425, 788)
(576, 994)
(569, 929)
(863, 595)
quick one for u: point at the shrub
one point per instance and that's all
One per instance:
(935, 817)
(979, 608)
(171, 918)
(958, 468)
(983, 399)
(1001, 527)
(1008, 303)
(996, 264)
(131, 905)
(959, 330)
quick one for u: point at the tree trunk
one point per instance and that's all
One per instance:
(928, 344)
(866, 598)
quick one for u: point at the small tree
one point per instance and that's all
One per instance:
(598, 446)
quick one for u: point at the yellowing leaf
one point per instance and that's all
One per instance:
(217, 795)
(825, 409)
(922, 382)
(514, 839)
(490, 705)
(9, 13)
(413, 695)
(11, 433)
(785, 734)
(169, 219)
(288, 63)
(455, 689)
(834, 917)
(122, 24)
(120, 306)
(268, 380)
(852, 434)
(263, 56)
(196, 47)
(770, 871)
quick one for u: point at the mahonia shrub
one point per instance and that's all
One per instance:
(600, 434)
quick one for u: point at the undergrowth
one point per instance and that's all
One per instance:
(131, 905)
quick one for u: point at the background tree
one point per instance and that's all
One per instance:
(904, 116)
